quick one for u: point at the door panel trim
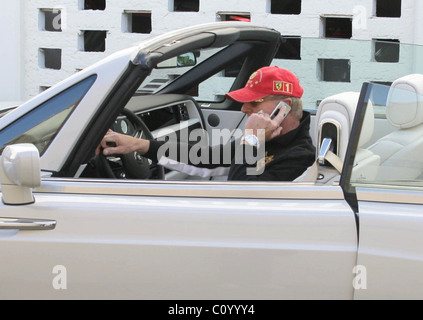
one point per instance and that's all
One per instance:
(208, 189)
(390, 196)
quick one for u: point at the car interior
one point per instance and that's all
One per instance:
(170, 105)
(175, 116)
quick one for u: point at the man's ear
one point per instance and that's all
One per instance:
(288, 101)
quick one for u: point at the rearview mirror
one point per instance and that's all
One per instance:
(19, 173)
(184, 60)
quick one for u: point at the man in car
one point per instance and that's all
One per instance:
(285, 142)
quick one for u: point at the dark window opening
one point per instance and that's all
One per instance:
(50, 58)
(285, 6)
(95, 41)
(335, 70)
(94, 4)
(387, 50)
(388, 8)
(338, 28)
(186, 5)
(52, 20)
(290, 48)
(234, 16)
(138, 22)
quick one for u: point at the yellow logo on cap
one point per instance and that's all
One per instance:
(283, 87)
(255, 79)
(253, 75)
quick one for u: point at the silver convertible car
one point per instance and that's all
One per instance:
(76, 225)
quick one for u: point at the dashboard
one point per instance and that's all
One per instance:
(162, 114)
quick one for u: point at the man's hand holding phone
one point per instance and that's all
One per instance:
(269, 124)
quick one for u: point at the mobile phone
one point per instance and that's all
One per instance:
(278, 108)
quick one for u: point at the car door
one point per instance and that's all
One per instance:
(390, 201)
(175, 240)
(390, 252)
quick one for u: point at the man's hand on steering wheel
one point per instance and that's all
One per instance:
(130, 149)
(117, 143)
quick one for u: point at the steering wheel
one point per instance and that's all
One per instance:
(134, 166)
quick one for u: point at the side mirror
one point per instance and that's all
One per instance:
(19, 173)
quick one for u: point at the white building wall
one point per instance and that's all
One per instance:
(21, 36)
(11, 52)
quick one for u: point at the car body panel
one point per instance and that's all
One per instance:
(390, 243)
(148, 241)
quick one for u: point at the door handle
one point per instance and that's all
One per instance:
(26, 224)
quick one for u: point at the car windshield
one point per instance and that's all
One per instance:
(41, 125)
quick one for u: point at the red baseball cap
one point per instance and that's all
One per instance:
(268, 81)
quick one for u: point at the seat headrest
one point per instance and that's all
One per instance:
(339, 109)
(405, 102)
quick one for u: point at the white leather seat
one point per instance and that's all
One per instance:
(337, 111)
(401, 151)
(334, 120)
(341, 109)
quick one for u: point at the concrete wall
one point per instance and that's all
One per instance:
(22, 37)
(11, 52)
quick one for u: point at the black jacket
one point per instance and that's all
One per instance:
(284, 158)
